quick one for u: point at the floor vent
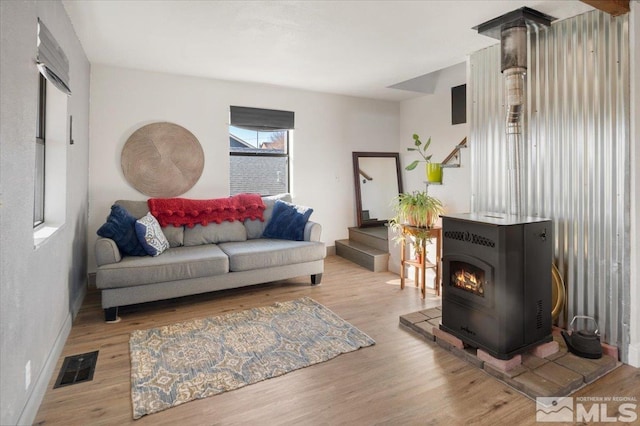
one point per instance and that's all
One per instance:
(77, 369)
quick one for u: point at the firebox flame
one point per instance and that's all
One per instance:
(468, 281)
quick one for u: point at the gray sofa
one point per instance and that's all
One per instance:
(203, 259)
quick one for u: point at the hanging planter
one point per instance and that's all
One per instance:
(434, 172)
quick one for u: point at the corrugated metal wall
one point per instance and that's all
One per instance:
(576, 156)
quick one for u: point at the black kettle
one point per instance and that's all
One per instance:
(583, 343)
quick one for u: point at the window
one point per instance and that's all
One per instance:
(38, 205)
(259, 150)
(50, 162)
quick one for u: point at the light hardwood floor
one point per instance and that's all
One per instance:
(401, 380)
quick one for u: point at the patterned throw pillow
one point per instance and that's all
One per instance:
(287, 222)
(150, 235)
(120, 227)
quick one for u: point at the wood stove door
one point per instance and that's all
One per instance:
(468, 281)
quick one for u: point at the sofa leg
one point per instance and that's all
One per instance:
(316, 279)
(111, 315)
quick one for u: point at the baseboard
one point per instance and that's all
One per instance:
(77, 303)
(91, 279)
(30, 410)
(331, 250)
(634, 355)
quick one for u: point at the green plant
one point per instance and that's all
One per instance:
(421, 149)
(417, 209)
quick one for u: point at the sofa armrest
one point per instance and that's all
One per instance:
(312, 231)
(107, 252)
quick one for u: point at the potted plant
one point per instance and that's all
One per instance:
(434, 170)
(417, 209)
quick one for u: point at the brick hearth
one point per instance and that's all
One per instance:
(546, 371)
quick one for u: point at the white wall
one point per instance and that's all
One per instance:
(40, 288)
(430, 116)
(328, 129)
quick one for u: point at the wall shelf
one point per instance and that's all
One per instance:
(453, 155)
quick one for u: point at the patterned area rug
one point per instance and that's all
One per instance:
(182, 362)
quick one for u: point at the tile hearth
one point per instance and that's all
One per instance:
(539, 374)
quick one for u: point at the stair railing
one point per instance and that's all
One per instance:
(454, 155)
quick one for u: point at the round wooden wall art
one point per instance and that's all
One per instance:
(162, 160)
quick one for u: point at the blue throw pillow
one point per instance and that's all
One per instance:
(287, 221)
(120, 227)
(150, 235)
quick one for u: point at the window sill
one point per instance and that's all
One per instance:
(43, 233)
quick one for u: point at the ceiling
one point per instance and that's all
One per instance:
(356, 48)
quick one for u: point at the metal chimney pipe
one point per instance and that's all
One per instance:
(511, 29)
(514, 67)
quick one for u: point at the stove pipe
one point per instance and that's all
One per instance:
(514, 67)
(511, 29)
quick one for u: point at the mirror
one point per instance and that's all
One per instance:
(377, 180)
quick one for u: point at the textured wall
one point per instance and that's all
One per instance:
(634, 35)
(576, 157)
(39, 287)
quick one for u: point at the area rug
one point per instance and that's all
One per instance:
(182, 362)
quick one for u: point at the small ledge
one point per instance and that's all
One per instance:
(43, 233)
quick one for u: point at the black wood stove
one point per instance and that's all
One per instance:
(496, 285)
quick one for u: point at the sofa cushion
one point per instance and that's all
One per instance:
(150, 235)
(120, 227)
(266, 253)
(215, 233)
(287, 221)
(174, 234)
(178, 263)
(255, 228)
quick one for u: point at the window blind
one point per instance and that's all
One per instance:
(261, 119)
(52, 62)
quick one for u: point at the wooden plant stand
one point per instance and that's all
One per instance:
(422, 263)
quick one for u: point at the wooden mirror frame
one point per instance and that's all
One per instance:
(356, 177)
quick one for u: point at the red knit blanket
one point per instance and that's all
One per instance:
(183, 211)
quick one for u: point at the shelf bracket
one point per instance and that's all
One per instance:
(454, 155)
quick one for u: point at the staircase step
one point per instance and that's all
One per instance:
(364, 255)
(376, 237)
